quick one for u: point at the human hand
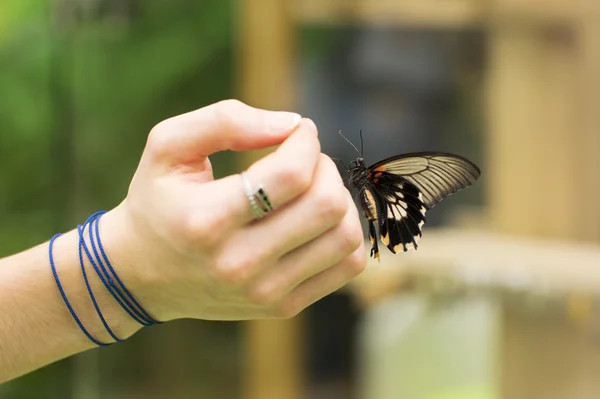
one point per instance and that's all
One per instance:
(188, 246)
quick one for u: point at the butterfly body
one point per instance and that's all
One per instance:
(396, 193)
(359, 173)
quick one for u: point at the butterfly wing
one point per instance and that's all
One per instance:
(436, 175)
(401, 213)
(405, 187)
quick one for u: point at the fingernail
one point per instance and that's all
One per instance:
(312, 124)
(280, 122)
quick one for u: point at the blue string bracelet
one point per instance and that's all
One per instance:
(133, 307)
(110, 267)
(120, 294)
(125, 295)
(64, 296)
(105, 278)
(80, 230)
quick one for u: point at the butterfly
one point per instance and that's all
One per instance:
(396, 192)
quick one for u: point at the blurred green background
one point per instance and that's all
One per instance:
(82, 84)
(484, 310)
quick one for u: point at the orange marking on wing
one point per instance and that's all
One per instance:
(398, 247)
(385, 239)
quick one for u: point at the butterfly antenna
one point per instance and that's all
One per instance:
(361, 143)
(349, 142)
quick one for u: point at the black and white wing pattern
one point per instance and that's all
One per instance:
(401, 189)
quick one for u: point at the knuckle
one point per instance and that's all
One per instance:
(229, 104)
(296, 176)
(331, 205)
(351, 236)
(356, 262)
(317, 145)
(222, 111)
(232, 273)
(204, 231)
(287, 309)
(331, 170)
(159, 136)
(327, 162)
(195, 233)
(263, 295)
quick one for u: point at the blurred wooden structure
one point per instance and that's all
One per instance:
(273, 364)
(541, 172)
(463, 257)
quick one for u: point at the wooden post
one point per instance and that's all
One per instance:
(533, 164)
(543, 171)
(265, 43)
(273, 366)
(589, 146)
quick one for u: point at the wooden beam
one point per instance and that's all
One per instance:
(532, 11)
(438, 14)
(265, 43)
(422, 13)
(484, 259)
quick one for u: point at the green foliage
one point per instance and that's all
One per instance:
(18, 16)
(91, 91)
(78, 99)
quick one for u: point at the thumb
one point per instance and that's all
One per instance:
(225, 125)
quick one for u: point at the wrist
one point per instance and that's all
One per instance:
(68, 268)
(126, 245)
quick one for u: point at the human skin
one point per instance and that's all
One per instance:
(188, 246)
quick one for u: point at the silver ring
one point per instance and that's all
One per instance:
(259, 201)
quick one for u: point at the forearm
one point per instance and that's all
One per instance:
(36, 327)
(189, 246)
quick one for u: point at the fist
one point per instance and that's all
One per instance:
(190, 247)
